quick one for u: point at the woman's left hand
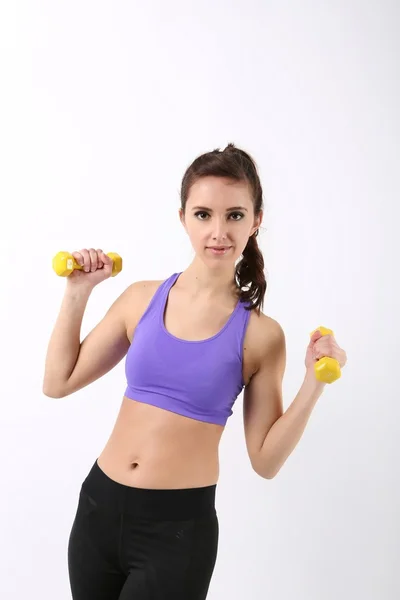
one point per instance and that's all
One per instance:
(324, 345)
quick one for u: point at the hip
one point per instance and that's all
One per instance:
(162, 543)
(148, 503)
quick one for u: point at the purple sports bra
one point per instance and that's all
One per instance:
(198, 379)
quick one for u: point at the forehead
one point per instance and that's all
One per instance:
(213, 191)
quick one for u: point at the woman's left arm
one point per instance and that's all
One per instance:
(271, 434)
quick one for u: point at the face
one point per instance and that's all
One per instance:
(219, 219)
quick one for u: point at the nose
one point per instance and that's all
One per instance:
(219, 230)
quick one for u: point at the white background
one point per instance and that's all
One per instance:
(103, 105)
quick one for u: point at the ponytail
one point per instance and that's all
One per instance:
(250, 274)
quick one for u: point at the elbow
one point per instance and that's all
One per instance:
(265, 473)
(52, 392)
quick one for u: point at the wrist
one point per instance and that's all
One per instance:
(78, 290)
(312, 382)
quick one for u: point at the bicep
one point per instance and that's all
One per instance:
(103, 348)
(262, 401)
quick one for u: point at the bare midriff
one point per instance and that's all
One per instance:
(153, 448)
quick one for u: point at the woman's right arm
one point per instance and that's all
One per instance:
(72, 364)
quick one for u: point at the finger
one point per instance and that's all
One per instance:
(78, 257)
(86, 260)
(93, 259)
(99, 259)
(321, 348)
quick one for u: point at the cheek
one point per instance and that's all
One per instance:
(197, 235)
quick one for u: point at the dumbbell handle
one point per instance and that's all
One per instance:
(327, 369)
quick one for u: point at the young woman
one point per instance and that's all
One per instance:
(146, 525)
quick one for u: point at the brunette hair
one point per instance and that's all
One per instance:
(237, 165)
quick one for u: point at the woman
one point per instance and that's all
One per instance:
(146, 524)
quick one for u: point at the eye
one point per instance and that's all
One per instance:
(201, 212)
(234, 214)
(241, 215)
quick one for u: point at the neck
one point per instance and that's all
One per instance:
(200, 279)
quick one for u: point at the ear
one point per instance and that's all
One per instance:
(257, 222)
(182, 217)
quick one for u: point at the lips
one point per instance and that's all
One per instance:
(219, 250)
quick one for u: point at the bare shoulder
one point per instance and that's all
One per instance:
(138, 296)
(144, 288)
(264, 335)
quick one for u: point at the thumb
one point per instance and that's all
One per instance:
(107, 260)
(108, 263)
(315, 336)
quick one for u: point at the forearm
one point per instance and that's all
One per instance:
(286, 432)
(64, 344)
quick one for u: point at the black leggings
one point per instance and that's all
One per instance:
(138, 544)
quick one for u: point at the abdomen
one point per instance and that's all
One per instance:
(157, 449)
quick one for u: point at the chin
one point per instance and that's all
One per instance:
(219, 262)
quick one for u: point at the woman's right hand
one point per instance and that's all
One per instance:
(97, 267)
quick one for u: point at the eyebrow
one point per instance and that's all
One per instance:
(228, 209)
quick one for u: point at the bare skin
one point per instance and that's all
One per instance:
(154, 448)
(150, 447)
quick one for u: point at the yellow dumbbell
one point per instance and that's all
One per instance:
(326, 369)
(64, 263)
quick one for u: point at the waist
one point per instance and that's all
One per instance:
(155, 448)
(164, 504)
